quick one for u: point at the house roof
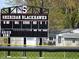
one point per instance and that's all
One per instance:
(53, 33)
(76, 30)
(67, 31)
(70, 35)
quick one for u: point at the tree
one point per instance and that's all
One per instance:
(62, 13)
(71, 12)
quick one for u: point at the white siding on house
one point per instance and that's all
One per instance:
(68, 43)
(57, 39)
(68, 39)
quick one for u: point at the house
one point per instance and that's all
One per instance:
(52, 36)
(68, 39)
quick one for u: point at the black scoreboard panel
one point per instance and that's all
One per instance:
(21, 33)
(26, 24)
(43, 24)
(19, 29)
(6, 24)
(42, 34)
(17, 24)
(34, 24)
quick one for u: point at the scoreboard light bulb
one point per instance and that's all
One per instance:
(35, 30)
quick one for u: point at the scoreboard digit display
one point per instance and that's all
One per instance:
(21, 23)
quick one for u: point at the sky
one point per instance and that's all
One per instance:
(3, 4)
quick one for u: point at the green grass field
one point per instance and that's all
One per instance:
(46, 55)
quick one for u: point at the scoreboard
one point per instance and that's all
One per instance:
(19, 22)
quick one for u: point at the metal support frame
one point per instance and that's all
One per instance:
(24, 53)
(40, 53)
(9, 45)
